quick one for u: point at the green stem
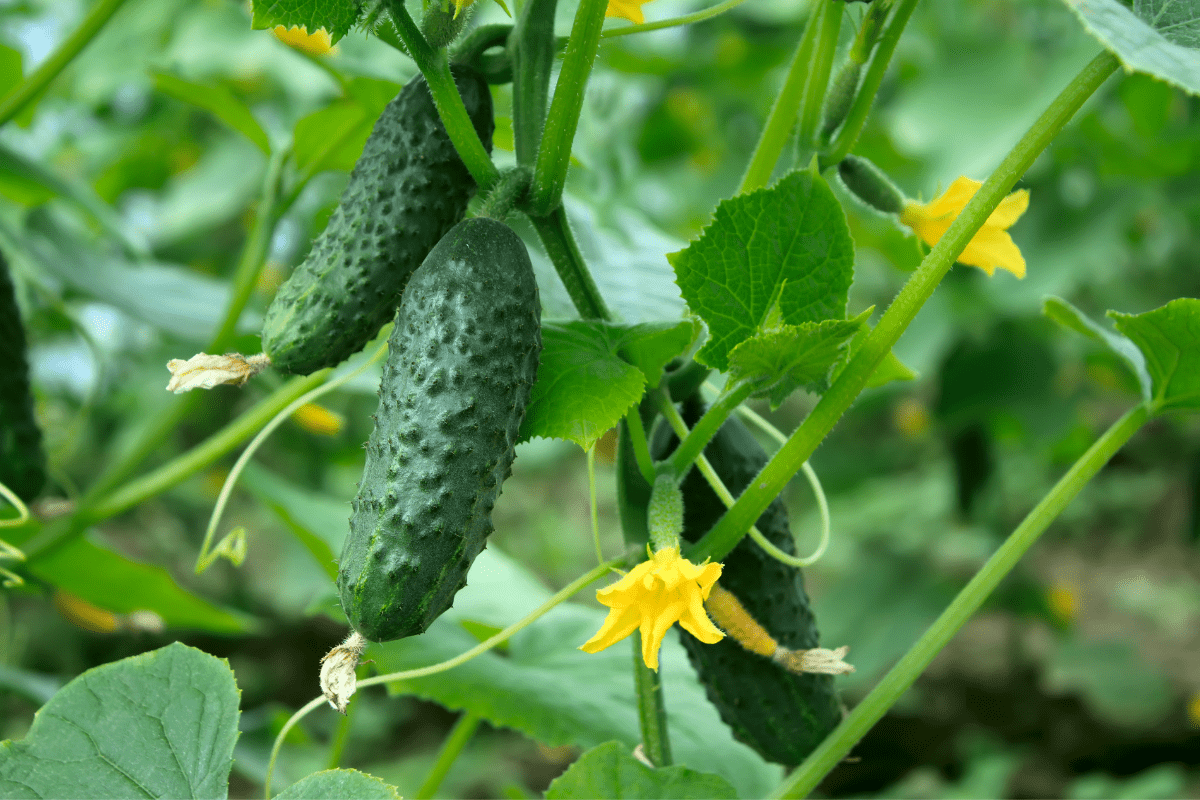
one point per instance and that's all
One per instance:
(460, 734)
(554, 154)
(641, 446)
(532, 46)
(33, 85)
(555, 233)
(775, 133)
(901, 677)
(673, 22)
(652, 714)
(818, 77)
(341, 735)
(783, 465)
(253, 256)
(857, 117)
(706, 428)
(178, 469)
(435, 66)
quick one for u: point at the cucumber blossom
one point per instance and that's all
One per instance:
(782, 715)
(22, 461)
(407, 189)
(462, 361)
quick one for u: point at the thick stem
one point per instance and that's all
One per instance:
(818, 77)
(641, 446)
(652, 715)
(460, 734)
(554, 154)
(707, 426)
(857, 117)
(532, 46)
(725, 535)
(775, 133)
(33, 85)
(835, 747)
(436, 69)
(555, 233)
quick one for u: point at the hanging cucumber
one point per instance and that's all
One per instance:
(462, 360)
(407, 189)
(22, 462)
(782, 715)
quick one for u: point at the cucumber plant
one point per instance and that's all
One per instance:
(22, 460)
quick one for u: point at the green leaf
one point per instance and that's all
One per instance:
(1075, 320)
(611, 771)
(160, 724)
(591, 372)
(317, 520)
(1169, 338)
(10, 69)
(890, 369)
(335, 16)
(786, 245)
(333, 137)
(115, 583)
(1157, 37)
(785, 358)
(548, 689)
(339, 784)
(218, 101)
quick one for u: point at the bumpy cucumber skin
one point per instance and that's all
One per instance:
(22, 460)
(462, 361)
(407, 189)
(781, 715)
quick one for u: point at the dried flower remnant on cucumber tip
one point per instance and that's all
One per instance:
(652, 597)
(338, 681)
(204, 371)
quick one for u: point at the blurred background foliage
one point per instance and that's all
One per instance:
(124, 207)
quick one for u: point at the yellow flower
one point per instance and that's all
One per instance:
(653, 596)
(319, 420)
(991, 246)
(317, 43)
(627, 9)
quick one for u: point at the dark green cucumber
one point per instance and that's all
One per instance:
(461, 363)
(22, 461)
(781, 715)
(407, 189)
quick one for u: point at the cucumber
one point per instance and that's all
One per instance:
(22, 461)
(783, 716)
(407, 189)
(462, 360)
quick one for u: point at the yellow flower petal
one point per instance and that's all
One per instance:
(991, 247)
(317, 43)
(626, 9)
(652, 597)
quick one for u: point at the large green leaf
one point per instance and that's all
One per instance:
(1158, 37)
(592, 372)
(1073, 319)
(786, 246)
(218, 101)
(339, 784)
(611, 771)
(161, 724)
(121, 585)
(335, 16)
(783, 359)
(1169, 338)
(548, 689)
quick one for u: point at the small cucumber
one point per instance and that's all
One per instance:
(407, 189)
(22, 461)
(781, 715)
(462, 361)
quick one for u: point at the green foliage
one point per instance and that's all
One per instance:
(782, 359)
(22, 460)
(1169, 338)
(339, 784)
(786, 246)
(218, 101)
(333, 137)
(1157, 37)
(335, 16)
(592, 372)
(1075, 320)
(609, 770)
(161, 724)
